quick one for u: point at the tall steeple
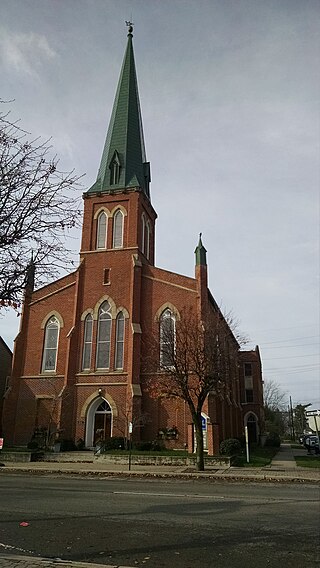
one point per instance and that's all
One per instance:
(123, 163)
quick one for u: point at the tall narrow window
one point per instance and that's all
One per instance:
(143, 235)
(118, 229)
(119, 341)
(104, 335)
(87, 343)
(50, 350)
(167, 338)
(102, 231)
(147, 247)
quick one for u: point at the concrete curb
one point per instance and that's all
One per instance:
(8, 561)
(231, 476)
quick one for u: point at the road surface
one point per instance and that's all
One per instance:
(152, 523)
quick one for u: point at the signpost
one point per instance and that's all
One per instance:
(247, 442)
(130, 443)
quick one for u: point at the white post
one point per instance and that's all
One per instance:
(247, 442)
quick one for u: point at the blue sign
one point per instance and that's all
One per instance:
(204, 423)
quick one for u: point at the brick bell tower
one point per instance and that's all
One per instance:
(118, 235)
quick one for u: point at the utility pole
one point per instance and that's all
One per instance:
(292, 423)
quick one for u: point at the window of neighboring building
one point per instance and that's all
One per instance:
(167, 338)
(87, 342)
(248, 370)
(102, 231)
(104, 336)
(50, 350)
(118, 229)
(248, 385)
(249, 395)
(119, 341)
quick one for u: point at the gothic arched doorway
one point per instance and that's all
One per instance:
(98, 422)
(252, 428)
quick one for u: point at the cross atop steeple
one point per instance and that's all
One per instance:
(130, 27)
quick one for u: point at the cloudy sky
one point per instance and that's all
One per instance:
(230, 102)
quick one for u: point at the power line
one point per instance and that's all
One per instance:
(292, 357)
(288, 340)
(281, 328)
(290, 346)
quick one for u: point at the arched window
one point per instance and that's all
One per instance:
(119, 341)
(102, 231)
(143, 235)
(167, 338)
(49, 360)
(104, 335)
(147, 246)
(87, 342)
(118, 229)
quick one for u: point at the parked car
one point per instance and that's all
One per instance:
(311, 443)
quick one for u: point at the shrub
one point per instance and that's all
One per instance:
(273, 439)
(67, 446)
(80, 444)
(230, 447)
(114, 443)
(149, 446)
(33, 445)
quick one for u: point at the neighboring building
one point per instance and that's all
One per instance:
(5, 371)
(251, 392)
(79, 350)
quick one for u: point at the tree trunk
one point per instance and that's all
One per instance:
(199, 439)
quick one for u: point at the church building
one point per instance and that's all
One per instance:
(77, 359)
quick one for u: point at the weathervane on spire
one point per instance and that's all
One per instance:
(130, 27)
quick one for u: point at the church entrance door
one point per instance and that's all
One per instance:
(102, 423)
(98, 422)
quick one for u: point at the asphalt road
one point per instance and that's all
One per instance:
(173, 524)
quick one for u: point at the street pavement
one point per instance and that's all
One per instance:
(283, 468)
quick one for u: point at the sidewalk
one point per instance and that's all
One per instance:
(282, 468)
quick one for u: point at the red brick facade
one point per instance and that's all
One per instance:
(141, 291)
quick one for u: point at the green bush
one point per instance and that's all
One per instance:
(273, 440)
(114, 443)
(33, 445)
(80, 444)
(149, 446)
(68, 446)
(230, 447)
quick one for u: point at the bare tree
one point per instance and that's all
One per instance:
(38, 207)
(274, 397)
(197, 359)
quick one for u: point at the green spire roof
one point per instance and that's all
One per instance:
(201, 253)
(123, 163)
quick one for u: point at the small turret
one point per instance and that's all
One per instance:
(30, 272)
(201, 253)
